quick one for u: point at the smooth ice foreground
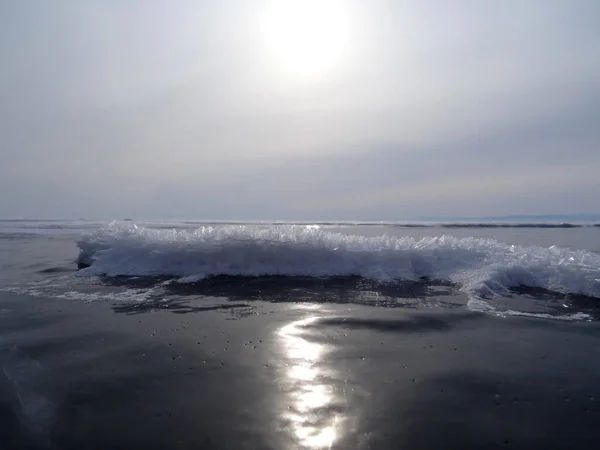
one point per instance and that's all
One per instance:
(482, 267)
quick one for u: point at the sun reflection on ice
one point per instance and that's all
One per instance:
(312, 414)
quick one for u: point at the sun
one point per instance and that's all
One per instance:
(307, 38)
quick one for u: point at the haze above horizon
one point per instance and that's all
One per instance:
(290, 109)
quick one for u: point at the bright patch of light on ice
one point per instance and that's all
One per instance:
(308, 393)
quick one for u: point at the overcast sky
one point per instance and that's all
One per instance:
(347, 110)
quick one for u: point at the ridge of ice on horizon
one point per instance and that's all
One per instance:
(480, 266)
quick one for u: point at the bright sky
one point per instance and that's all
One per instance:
(299, 109)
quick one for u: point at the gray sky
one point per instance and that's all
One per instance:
(347, 110)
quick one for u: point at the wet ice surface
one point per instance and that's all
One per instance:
(286, 360)
(217, 372)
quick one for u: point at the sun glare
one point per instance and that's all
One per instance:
(306, 37)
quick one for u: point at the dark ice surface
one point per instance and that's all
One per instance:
(237, 372)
